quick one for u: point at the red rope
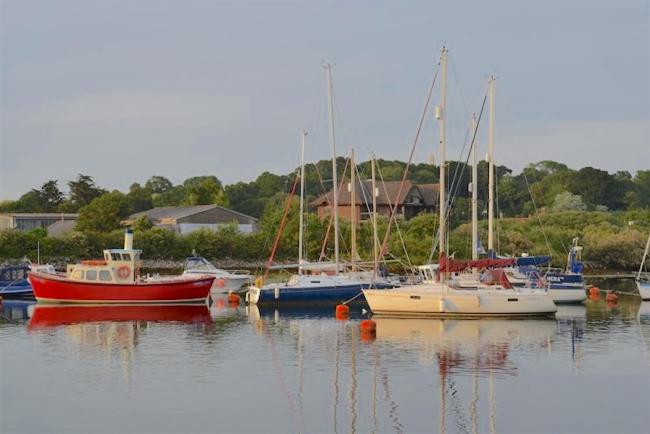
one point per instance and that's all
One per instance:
(281, 229)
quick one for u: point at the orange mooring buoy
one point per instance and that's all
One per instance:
(233, 298)
(594, 292)
(611, 297)
(368, 325)
(343, 308)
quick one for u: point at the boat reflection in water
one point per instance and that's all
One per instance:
(17, 310)
(362, 371)
(46, 316)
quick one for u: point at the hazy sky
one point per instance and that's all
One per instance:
(122, 90)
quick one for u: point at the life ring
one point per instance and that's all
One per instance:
(221, 283)
(123, 272)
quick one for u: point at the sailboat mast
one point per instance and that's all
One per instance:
(491, 90)
(474, 192)
(440, 115)
(335, 183)
(302, 201)
(645, 255)
(353, 211)
(375, 248)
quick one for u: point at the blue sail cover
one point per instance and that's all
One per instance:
(525, 261)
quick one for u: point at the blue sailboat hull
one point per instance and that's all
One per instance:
(16, 290)
(290, 295)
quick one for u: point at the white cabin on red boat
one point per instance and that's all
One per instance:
(118, 266)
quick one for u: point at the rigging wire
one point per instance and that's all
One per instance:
(408, 164)
(548, 245)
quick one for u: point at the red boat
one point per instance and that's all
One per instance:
(45, 316)
(116, 279)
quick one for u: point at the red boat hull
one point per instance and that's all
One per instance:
(53, 316)
(50, 288)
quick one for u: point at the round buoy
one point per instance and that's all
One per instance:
(611, 297)
(368, 325)
(342, 316)
(220, 303)
(594, 291)
(233, 298)
(343, 308)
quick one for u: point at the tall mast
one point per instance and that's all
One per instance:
(375, 244)
(440, 115)
(302, 201)
(353, 211)
(474, 191)
(335, 183)
(491, 90)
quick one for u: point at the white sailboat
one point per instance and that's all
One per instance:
(643, 279)
(444, 297)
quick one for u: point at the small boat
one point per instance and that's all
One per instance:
(643, 279)
(116, 279)
(225, 281)
(13, 281)
(568, 286)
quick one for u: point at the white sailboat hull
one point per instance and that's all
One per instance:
(644, 289)
(565, 295)
(438, 300)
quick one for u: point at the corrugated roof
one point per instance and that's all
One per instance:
(171, 212)
(177, 212)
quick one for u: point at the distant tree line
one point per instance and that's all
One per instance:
(610, 211)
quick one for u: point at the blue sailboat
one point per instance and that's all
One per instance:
(568, 286)
(13, 281)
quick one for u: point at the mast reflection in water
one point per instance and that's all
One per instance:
(228, 368)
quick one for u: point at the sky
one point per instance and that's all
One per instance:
(123, 90)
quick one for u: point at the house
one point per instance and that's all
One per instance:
(413, 200)
(29, 221)
(186, 219)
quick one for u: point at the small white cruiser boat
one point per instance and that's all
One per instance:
(225, 281)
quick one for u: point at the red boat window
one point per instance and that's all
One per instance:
(126, 257)
(105, 275)
(91, 275)
(78, 274)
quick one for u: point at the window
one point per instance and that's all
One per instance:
(91, 275)
(115, 256)
(105, 275)
(126, 257)
(107, 256)
(78, 274)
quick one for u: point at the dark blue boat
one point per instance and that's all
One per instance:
(313, 290)
(13, 281)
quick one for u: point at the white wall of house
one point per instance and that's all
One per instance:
(186, 228)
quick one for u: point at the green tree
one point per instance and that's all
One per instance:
(51, 196)
(566, 201)
(140, 198)
(158, 184)
(83, 190)
(204, 190)
(104, 213)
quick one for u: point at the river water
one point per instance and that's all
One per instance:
(232, 369)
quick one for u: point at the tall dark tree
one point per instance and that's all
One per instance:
(140, 198)
(51, 196)
(83, 190)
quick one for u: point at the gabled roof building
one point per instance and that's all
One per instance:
(186, 219)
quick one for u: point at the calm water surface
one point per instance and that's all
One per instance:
(229, 369)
